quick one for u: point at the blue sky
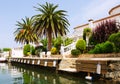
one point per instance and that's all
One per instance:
(78, 11)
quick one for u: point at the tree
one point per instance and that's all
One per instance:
(86, 35)
(103, 30)
(50, 22)
(24, 33)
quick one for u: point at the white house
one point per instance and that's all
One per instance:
(114, 13)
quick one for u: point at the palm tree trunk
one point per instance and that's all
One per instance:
(49, 40)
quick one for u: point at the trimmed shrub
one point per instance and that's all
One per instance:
(106, 47)
(75, 52)
(26, 49)
(81, 45)
(96, 50)
(28, 53)
(115, 38)
(53, 50)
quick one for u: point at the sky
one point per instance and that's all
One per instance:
(78, 11)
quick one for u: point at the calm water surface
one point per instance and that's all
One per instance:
(24, 74)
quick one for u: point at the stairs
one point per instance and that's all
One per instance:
(68, 64)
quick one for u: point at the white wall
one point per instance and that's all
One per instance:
(17, 52)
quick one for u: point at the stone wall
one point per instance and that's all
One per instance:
(68, 65)
(113, 71)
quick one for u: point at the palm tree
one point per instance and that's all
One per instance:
(50, 22)
(24, 33)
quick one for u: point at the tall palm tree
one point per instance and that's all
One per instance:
(50, 22)
(24, 33)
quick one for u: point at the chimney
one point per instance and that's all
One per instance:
(91, 23)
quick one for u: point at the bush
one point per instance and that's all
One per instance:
(26, 49)
(103, 30)
(75, 52)
(115, 38)
(96, 50)
(44, 42)
(81, 45)
(106, 47)
(57, 43)
(92, 41)
(6, 49)
(38, 49)
(68, 41)
(53, 50)
(33, 50)
(28, 54)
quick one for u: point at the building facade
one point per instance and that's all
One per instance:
(114, 14)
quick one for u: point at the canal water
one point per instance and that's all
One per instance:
(26, 74)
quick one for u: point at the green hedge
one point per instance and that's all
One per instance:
(75, 52)
(106, 47)
(115, 38)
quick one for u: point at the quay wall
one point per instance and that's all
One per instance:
(46, 62)
(110, 64)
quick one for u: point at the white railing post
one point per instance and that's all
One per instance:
(62, 51)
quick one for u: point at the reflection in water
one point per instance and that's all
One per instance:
(10, 75)
(26, 74)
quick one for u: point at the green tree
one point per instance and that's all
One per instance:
(24, 33)
(86, 33)
(50, 22)
(103, 30)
